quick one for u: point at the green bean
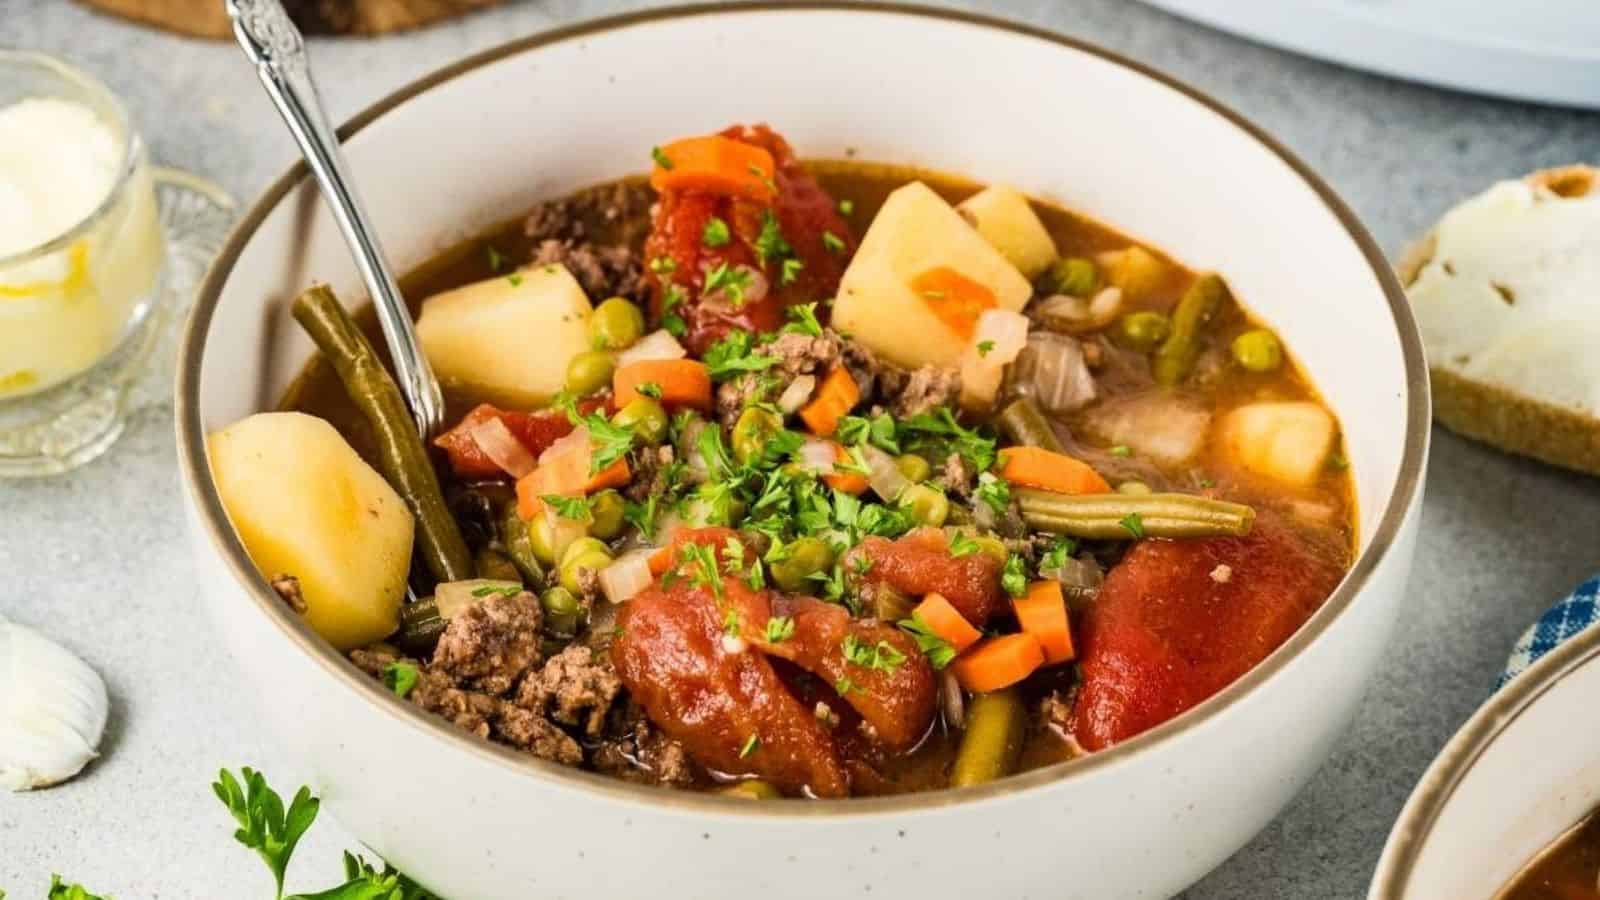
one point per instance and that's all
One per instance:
(1121, 516)
(992, 742)
(517, 541)
(1175, 358)
(1024, 423)
(401, 456)
(420, 627)
(496, 566)
(752, 789)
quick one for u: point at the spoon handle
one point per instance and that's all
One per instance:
(275, 45)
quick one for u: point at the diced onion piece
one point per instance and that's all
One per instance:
(817, 455)
(627, 576)
(667, 528)
(797, 393)
(453, 597)
(1052, 370)
(1077, 315)
(502, 447)
(655, 345)
(883, 476)
(996, 340)
(575, 441)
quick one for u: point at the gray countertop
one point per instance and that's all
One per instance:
(99, 558)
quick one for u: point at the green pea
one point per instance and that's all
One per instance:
(753, 789)
(589, 372)
(605, 514)
(802, 558)
(615, 324)
(646, 417)
(1143, 330)
(1257, 350)
(925, 505)
(542, 539)
(581, 545)
(753, 432)
(1133, 487)
(1074, 275)
(572, 564)
(563, 611)
(915, 468)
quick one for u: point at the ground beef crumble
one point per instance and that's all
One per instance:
(576, 687)
(491, 644)
(568, 232)
(287, 588)
(921, 390)
(957, 477)
(640, 753)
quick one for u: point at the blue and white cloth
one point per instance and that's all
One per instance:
(1578, 611)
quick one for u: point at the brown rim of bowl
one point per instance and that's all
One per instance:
(214, 521)
(1438, 784)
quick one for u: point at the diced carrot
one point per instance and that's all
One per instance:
(943, 619)
(998, 662)
(1042, 612)
(837, 395)
(1050, 471)
(715, 164)
(614, 475)
(956, 299)
(683, 382)
(842, 481)
(566, 474)
(661, 560)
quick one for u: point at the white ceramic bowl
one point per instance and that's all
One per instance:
(1522, 771)
(485, 138)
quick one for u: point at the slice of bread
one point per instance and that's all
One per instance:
(1506, 290)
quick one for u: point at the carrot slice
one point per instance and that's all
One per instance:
(1051, 471)
(940, 617)
(956, 299)
(683, 382)
(661, 560)
(715, 164)
(837, 395)
(1042, 612)
(998, 662)
(842, 481)
(567, 474)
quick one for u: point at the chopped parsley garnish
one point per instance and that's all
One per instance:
(733, 564)
(734, 354)
(649, 389)
(779, 629)
(1056, 557)
(704, 562)
(879, 431)
(730, 623)
(496, 261)
(995, 491)
(716, 233)
(802, 320)
(984, 347)
(962, 545)
(670, 319)
(1133, 523)
(1121, 450)
(939, 651)
(880, 657)
(846, 207)
(567, 507)
(766, 179)
(607, 442)
(642, 516)
(1206, 483)
(844, 686)
(661, 158)
(1014, 578)
(663, 265)
(751, 745)
(503, 590)
(515, 278)
(400, 677)
(971, 445)
(832, 242)
(791, 271)
(770, 244)
(732, 281)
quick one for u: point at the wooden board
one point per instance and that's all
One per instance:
(206, 18)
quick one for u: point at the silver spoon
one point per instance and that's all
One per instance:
(275, 45)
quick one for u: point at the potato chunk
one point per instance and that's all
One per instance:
(305, 504)
(1287, 442)
(507, 340)
(1006, 220)
(914, 234)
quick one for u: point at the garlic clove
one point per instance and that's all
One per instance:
(53, 710)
